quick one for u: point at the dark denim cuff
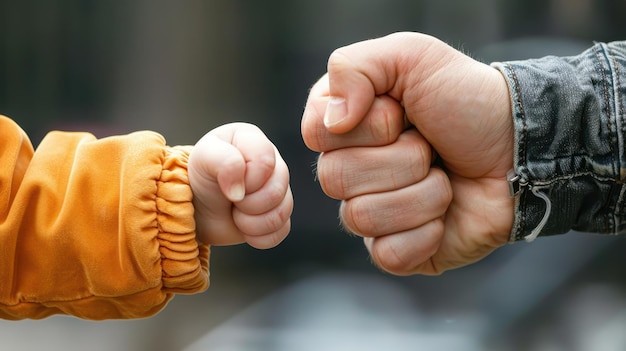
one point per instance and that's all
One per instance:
(569, 126)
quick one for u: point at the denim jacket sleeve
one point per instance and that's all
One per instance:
(570, 152)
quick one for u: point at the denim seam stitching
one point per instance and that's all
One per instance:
(619, 111)
(607, 101)
(521, 146)
(545, 182)
(520, 105)
(601, 57)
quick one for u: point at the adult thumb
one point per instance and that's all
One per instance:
(389, 65)
(359, 72)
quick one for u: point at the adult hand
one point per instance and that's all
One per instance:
(241, 188)
(416, 217)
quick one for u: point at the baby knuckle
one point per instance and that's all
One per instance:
(276, 193)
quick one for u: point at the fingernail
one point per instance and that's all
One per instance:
(237, 192)
(335, 111)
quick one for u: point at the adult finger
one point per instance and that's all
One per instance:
(350, 172)
(407, 252)
(399, 210)
(381, 125)
(359, 72)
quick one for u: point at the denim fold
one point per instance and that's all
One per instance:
(568, 115)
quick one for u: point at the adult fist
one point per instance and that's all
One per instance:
(416, 215)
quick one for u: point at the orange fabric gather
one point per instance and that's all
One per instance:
(95, 228)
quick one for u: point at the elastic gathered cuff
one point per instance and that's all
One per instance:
(185, 262)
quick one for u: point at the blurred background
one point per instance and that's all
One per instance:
(184, 67)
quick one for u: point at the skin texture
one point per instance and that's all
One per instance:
(415, 139)
(241, 188)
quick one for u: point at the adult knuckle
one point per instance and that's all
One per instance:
(389, 259)
(330, 174)
(356, 217)
(314, 134)
(442, 184)
(419, 160)
(338, 60)
(383, 129)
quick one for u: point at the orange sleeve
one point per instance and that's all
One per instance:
(95, 228)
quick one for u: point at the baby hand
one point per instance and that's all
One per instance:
(241, 188)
